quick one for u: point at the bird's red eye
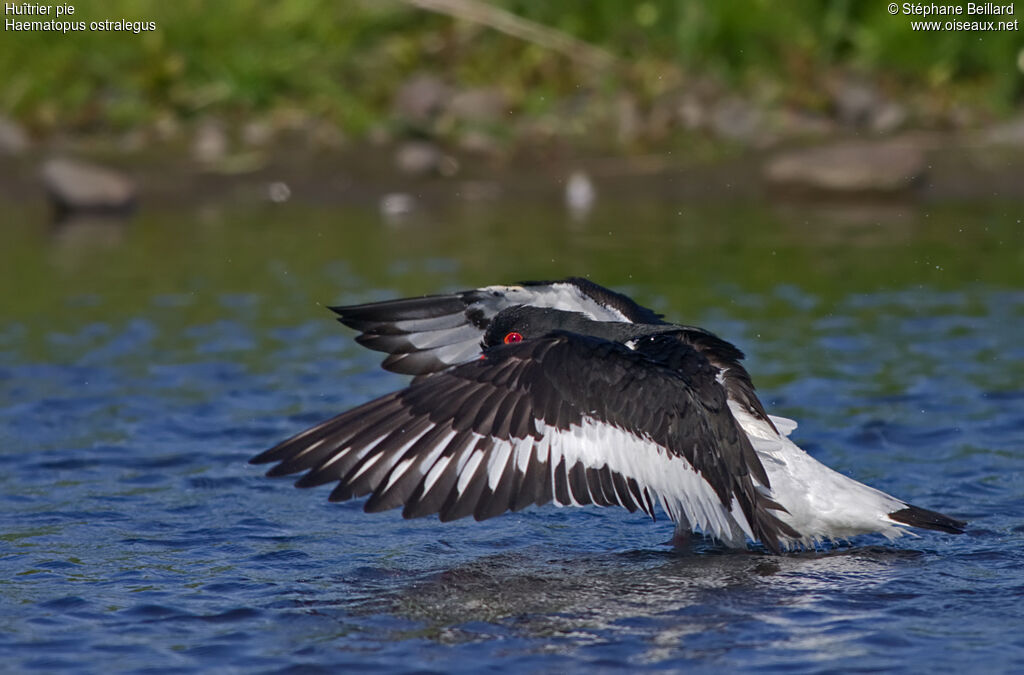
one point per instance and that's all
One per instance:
(513, 337)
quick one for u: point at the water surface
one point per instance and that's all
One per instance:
(143, 362)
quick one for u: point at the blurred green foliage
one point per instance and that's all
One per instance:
(342, 59)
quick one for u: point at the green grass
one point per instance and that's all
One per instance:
(342, 59)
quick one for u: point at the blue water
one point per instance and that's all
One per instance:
(135, 538)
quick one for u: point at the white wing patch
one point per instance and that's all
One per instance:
(360, 452)
(684, 494)
(445, 336)
(421, 463)
(563, 296)
(389, 458)
(682, 491)
(435, 473)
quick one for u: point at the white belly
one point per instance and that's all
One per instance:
(822, 504)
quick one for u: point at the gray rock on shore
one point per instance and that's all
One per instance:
(480, 105)
(1008, 134)
(76, 186)
(13, 139)
(850, 167)
(420, 100)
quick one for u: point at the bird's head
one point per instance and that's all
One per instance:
(523, 322)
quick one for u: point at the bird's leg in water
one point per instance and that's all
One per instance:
(683, 536)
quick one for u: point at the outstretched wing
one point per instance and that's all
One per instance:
(428, 334)
(726, 357)
(564, 418)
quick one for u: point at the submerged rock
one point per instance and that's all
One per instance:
(75, 186)
(850, 167)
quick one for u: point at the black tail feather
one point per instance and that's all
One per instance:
(929, 520)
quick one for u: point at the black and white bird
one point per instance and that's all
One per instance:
(567, 392)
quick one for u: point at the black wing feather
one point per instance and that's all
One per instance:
(551, 380)
(429, 334)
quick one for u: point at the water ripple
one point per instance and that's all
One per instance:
(134, 537)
